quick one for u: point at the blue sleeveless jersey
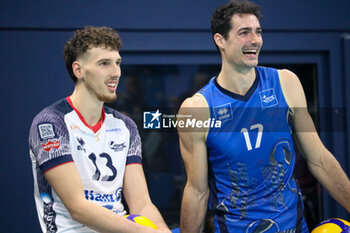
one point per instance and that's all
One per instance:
(251, 159)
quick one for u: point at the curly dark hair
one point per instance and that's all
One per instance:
(87, 38)
(221, 18)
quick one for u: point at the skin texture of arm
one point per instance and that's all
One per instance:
(321, 162)
(135, 192)
(67, 183)
(194, 154)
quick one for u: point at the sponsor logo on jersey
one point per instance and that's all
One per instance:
(103, 197)
(268, 98)
(116, 147)
(110, 207)
(51, 144)
(46, 131)
(49, 214)
(75, 127)
(81, 144)
(113, 130)
(223, 112)
(118, 194)
(151, 120)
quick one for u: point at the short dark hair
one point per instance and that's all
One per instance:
(221, 18)
(87, 38)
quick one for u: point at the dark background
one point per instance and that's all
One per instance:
(167, 43)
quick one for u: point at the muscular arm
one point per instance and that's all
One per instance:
(136, 195)
(321, 162)
(194, 154)
(66, 182)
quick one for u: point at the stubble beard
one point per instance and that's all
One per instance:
(99, 92)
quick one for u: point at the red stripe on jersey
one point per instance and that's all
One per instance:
(94, 128)
(133, 163)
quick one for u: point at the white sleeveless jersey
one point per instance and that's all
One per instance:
(60, 135)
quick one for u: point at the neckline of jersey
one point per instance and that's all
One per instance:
(95, 127)
(247, 95)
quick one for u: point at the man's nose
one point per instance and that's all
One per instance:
(116, 71)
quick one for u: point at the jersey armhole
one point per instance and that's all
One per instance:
(133, 159)
(207, 105)
(67, 159)
(284, 92)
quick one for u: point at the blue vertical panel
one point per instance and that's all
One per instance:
(332, 120)
(347, 97)
(34, 76)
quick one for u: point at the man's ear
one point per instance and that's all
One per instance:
(77, 69)
(219, 41)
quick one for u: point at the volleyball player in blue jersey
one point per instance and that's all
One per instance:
(243, 170)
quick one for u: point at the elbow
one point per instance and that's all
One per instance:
(322, 164)
(201, 192)
(315, 167)
(205, 194)
(75, 215)
(77, 211)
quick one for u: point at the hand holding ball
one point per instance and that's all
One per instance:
(141, 220)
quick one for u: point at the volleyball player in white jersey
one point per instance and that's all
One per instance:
(86, 156)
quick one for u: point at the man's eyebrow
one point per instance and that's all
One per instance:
(245, 29)
(248, 29)
(108, 60)
(104, 59)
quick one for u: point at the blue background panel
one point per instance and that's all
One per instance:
(158, 32)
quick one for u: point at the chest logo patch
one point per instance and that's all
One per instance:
(81, 144)
(268, 98)
(223, 112)
(116, 147)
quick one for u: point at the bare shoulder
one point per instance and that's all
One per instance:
(194, 109)
(292, 88)
(288, 77)
(195, 106)
(195, 101)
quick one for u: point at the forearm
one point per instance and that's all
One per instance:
(332, 177)
(102, 219)
(193, 210)
(151, 212)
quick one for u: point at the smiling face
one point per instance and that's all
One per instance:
(100, 73)
(242, 46)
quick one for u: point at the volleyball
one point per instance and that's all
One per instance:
(141, 220)
(333, 225)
